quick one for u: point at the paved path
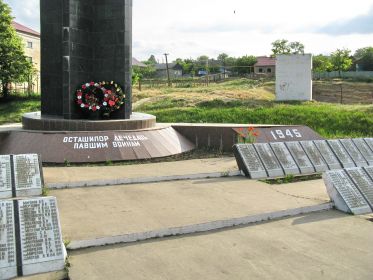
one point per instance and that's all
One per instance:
(327, 245)
(96, 212)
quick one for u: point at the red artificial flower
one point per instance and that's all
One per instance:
(84, 87)
(92, 83)
(256, 134)
(94, 109)
(111, 103)
(80, 102)
(86, 105)
(251, 128)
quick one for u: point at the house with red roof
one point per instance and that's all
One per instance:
(265, 66)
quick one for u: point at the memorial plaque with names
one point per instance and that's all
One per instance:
(344, 193)
(27, 175)
(341, 153)
(269, 160)
(314, 156)
(253, 166)
(369, 171)
(364, 150)
(369, 141)
(300, 157)
(327, 154)
(284, 157)
(363, 182)
(354, 153)
(5, 177)
(41, 239)
(8, 262)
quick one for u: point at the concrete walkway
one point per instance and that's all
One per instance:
(327, 245)
(70, 177)
(92, 213)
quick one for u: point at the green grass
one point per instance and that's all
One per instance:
(239, 101)
(330, 120)
(11, 110)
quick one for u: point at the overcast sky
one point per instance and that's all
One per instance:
(190, 28)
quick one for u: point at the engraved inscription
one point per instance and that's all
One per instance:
(27, 172)
(5, 174)
(354, 152)
(7, 235)
(327, 154)
(347, 190)
(369, 171)
(250, 158)
(267, 156)
(364, 149)
(40, 231)
(314, 155)
(285, 158)
(369, 141)
(341, 153)
(300, 156)
(363, 182)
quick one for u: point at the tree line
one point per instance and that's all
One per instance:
(340, 60)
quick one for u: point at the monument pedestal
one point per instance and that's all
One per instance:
(83, 141)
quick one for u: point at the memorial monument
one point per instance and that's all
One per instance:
(84, 41)
(86, 99)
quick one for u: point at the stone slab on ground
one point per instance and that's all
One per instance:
(60, 177)
(91, 213)
(325, 245)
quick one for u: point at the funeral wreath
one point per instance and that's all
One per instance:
(103, 96)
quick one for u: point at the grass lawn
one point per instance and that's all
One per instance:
(241, 101)
(11, 110)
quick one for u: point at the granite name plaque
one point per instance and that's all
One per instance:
(364, 150)
(354, 153)
(269, 160)
(344, 193)
(369, 171)
(28, 181)
(341, 153)
(314, 156)
(249, 161)
(300, 157)
(369, 141)
(20, 175)
(30, 237)
(285, 158)
(41, 239)
(8, 263)
(5, 177)
(327, 154)
(363, 182)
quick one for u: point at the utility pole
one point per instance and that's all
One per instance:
(168, 70)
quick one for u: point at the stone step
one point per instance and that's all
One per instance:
(77, 177)
(129, 213)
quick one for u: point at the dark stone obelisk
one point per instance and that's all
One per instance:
(82, 41)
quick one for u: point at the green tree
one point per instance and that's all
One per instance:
(321, 63)
(283, 46)
(151, 60)
(341, 60)
(14, 66)
(364, 58)
(244, 64)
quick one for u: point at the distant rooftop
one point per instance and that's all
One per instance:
(24, 29)
(265, 61)
(135, 62)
